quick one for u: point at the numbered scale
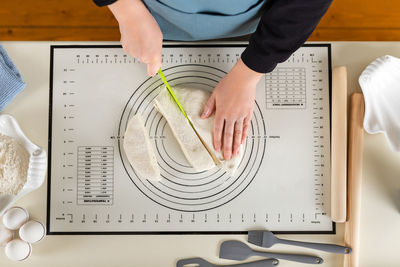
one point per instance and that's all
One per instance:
(282, 183)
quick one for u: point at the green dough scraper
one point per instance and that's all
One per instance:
(172, 94)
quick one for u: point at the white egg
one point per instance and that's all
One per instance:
(6, 235)
(15, 217)
(32, 231)
(18, 250)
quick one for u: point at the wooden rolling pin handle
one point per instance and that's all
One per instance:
(339, 145)
(356, 136)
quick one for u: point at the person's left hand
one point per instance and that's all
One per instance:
(233, 103)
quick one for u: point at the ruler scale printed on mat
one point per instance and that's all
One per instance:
(282, 183)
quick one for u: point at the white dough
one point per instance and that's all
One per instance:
(139, 150)
(192, 147)
(193, 101)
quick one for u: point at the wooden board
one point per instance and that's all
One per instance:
(354, 174)
(339, 144)
(81, 20)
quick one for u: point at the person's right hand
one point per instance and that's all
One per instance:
(141, 36)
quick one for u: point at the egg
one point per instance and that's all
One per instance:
(15, 217)
(18, 250)
(32, 231)
(6, 235)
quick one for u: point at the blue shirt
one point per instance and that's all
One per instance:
(186, 20)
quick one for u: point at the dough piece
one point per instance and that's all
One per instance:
(194, 151)
(139, 151)
(193, 101)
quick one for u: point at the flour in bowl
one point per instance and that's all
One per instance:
(14, 163)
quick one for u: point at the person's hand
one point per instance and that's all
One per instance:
(233, 103)
(141, 36)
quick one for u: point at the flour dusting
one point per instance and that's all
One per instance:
(14, 163)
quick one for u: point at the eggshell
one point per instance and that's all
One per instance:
(6, 235)
(32, 231)
(18, 250)
(15, 217)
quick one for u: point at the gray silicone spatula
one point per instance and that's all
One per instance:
(266, 239)
(199, 262)
(236, 250)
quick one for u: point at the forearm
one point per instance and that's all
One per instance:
(283, 28)
(244, 73)
(125, 10)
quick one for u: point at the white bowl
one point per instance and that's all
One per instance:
(37, 163)
(380, 83)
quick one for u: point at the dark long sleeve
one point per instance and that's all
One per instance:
(283, 28)
(104, 2)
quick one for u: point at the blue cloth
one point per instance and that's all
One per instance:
(11, 82)
(191, 20)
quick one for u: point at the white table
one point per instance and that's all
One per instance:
(380, 226)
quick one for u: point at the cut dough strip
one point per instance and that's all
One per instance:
(139, 150)
(194, 151)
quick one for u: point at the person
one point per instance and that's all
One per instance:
(277, 27)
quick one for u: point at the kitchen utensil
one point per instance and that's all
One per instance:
(380, 83)
(352, 226)
(267, 239)
(339, 144)
(236, 250)
(199, 262)
(171, 92)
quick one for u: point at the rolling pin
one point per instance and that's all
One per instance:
(339, 145)
(354, 172)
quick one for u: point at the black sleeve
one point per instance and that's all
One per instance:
(104, 2)
(283, 28)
